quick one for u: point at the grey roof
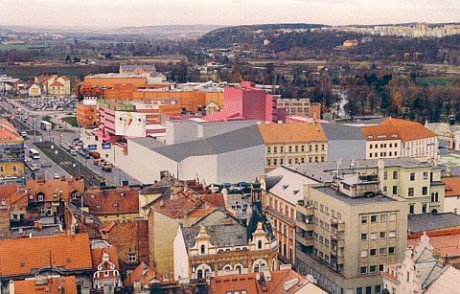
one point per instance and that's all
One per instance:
(221, 235)
(341, 132)
(271, 181)
(143, 66)
(353, 200)
(148, 142)
(231, 141)
(322, 171)
(428, 222)
(217, 217)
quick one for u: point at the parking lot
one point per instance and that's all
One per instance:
(50, 103)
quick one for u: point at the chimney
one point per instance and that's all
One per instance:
(162, 203)
(38, 225)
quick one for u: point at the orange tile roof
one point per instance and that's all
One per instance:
(249, 283)
(444, 244)
(21, 256)
(394, 129)
(123, 200)
(143, 274)
(292, 133)
(176, 208)
(57, 84)
(7, 135)
(452, 186)
(54, 285)
(59, 187)
(96, 256)
(7, 124)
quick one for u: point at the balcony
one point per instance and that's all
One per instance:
(306, 226)
(338, 225)
(305, 241)
(306, 210)
(337, 257)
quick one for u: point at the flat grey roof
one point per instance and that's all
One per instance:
(148, 142)
(428, 222)
(230, 141)
(353, 201)
(342, 132)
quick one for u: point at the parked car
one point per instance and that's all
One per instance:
(56, 176)
(95, 154)
(73, 152)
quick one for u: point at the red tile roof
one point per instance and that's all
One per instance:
(57, 84)
(182, 206)
(57, 285)
(249, 282)
(55, 189)
(452, 186)
(21, 256)
(96, 256)
(143, 274)
(444, 244)
(123, 200)
(292, 133)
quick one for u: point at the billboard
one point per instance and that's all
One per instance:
(131, 124)
(11, 152)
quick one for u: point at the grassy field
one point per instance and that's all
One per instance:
(72, 120)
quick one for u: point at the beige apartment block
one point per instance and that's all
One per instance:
(347, 231)
(293, 143)
(293, 106)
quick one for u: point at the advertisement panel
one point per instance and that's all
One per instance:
(131, 124)
(11, 152)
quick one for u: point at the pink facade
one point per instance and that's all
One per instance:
(248, 102)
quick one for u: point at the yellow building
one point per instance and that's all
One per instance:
(11, 151)
(293, 143)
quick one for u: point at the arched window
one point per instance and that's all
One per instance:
(256, 268)
(432, 197)
(202, 250)
(259, 244)
(227, 268)
(199, 274)
(238, 268)
(436, 197)
(206, 273)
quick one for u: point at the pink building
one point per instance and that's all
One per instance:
(247, 102)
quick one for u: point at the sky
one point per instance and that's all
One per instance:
(119, 13)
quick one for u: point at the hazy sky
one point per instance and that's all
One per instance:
(113, 13)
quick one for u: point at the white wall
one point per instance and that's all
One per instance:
(204, 167)
(180, 257)
(452, 204)
(241, 165)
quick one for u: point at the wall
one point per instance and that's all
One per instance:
(452, 204)
(240, 165)
(346, 149)
(181, 268)
(202, 167)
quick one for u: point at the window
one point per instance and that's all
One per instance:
(391, 234)
(268, 149)
(373, 218)
(364, 219)
(385, 175)
(372, 269)
(395, 190)
(382, 235)
(378, 289)
(363, 270)
(322, 147)
(373, 236)
(383, 251)
(259, 244)
(411, 209)
(363, 237)
(359, 290)
(395, 173)
(391, 250)
(392, 217)
(410, 192)
(373, 252)
(202, 249)
(424, 191)
(40, 197)
(383, 218)
(363, 253)
(424, 208)
(132, 257)
(381, 267)
(326, 210)
(274, 149)
(412, 176)
(425, 175)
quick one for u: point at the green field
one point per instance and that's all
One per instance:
(72, 120)
(435, 81)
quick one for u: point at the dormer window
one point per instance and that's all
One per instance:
(259, 244)
(40, 197)
(202, 249)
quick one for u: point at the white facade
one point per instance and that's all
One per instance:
(426, 148)
(383, 149)
(452, 204)
(181, 270)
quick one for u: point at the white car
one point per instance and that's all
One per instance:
(56, 176)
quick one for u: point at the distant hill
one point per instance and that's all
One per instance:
(224, 37)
